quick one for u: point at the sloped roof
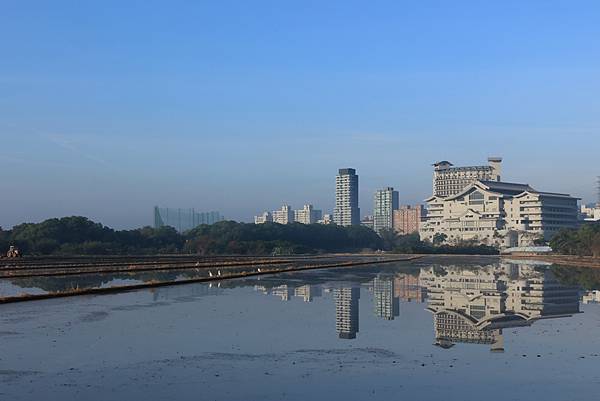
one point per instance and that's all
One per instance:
(507, 188)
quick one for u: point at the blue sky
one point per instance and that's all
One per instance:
(108, 108)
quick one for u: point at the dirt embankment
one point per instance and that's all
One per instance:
(565, 260)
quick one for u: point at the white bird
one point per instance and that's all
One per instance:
(197, 263)
(210, 274)
(259, 269)
(218, 272)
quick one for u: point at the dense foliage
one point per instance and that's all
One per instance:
(78, 235)
(411, 243)
(582, 242)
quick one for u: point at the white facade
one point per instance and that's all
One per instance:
(263, 218)
(346, 212)
(498, 213)
(385, 202)
(590, 213)
(308, 215)
(327, 219)
(283, 216)
(449, 180)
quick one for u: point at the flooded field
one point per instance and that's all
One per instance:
(432, 329)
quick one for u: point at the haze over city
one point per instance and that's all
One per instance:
(110, 108)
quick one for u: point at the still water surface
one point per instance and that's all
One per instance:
(433, 329)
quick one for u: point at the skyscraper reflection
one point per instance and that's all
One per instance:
(386, 304)
(346, 311)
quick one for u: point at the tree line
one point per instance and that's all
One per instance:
(584, 241)
(80, 236)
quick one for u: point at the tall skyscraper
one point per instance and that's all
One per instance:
(385, 202)
(346, 212)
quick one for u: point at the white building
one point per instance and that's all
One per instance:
(283, 216)
(385, 202)
(590, 213)
(327, 219)
(346, 212)
(266, 217)
(449, 180)
(307, 215)
(498, 213)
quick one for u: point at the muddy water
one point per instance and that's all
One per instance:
(451, 329)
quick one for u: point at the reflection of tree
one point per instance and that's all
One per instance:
(586, 277)
(64, 283)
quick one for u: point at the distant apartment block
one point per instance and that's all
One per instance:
(590, 213)
(385, 202)
(449, 180)
(327, 219)
(367, 221)
(183, 219)
(285, 215)
(308, 215)
(407, 219)
(346, 212)
(266, 217)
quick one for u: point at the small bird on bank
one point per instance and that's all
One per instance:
(259, 270)
(218, 272)
(210, 274)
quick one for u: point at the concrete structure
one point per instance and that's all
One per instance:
(266, 217)
(589, 213)
(283, 216)
(346, 212)
(475, 305)
(346, 311)
(449, 180)
(308, 215)
(407, 219)
(327, 219)
(367, 221)
(498, 213)
(385, 202)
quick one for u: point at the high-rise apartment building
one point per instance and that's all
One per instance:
(346, 212)
(385, 202)
(308, 215)
(407, 219)
(283, 216)
(449, 180)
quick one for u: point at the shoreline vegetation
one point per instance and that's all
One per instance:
(70, 236)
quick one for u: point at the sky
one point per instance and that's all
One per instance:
(108, 108)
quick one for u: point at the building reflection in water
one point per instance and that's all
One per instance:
(591, 297)
(475, 305)
(385, 302)
(346, 311)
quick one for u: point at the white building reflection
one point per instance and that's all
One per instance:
(475, 305)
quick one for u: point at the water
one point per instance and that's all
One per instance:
(451, 329)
